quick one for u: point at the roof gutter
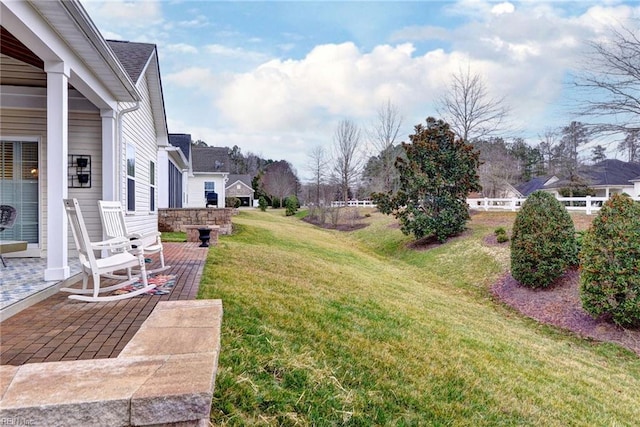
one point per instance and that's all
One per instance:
(120, 144)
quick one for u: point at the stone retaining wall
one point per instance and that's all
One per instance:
(178, 219)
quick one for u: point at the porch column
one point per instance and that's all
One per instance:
(109, 155)
(57, 161)
(185, 188)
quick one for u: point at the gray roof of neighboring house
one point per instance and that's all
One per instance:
(133, 56)
(210, 159)
(609, 172)
(612, 172)
(534, 184)
(182, 141)
(245, 179)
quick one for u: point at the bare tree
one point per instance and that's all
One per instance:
(383, 135)
(549, 140)
(610, 81)
(630, 145)
(468, 108)
(497, 167)
(280, 180)
(317, 164)
(347, 156)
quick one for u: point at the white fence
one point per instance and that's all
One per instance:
(587, 204)
(357, 203)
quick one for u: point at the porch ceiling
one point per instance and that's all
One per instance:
(14, 48)
(70, 20)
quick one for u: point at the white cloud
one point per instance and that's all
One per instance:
(126, 12)
(502, 8)
(600, 18)
(194, 77)
(331, 81)
(235, 52)
(198, 22)
(180, 48)
(428, 32)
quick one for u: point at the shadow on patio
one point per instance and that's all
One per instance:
(58, 329)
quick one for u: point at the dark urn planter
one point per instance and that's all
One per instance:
(205, 236)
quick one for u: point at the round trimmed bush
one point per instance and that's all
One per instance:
(610, 262)
(543, 241)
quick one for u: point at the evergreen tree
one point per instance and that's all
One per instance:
(435, 178)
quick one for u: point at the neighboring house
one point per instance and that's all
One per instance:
(240, 186)
(80, 117)
(537, 183)
(208, 178)
(173, 171)
(607, 177)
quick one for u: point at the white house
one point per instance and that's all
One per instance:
(80, 117)
(208, 178)
(605, 178)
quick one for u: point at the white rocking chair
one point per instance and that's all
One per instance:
(115, 226)
(95, 267)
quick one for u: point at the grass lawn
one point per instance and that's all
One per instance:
(330, 328)
(174, 236)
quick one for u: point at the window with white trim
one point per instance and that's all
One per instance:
(152, 186)
(210, 192)
(131, 178)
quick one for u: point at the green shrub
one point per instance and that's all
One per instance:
(262, 203)
(232, 202)
(502, 237)
(275, 203)
(579, 239)
(291, 204)
(610, 263)
(542, 241)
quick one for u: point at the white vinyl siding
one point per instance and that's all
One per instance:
(138, 128)
(84, 138)
(196, 189)
(16, 73)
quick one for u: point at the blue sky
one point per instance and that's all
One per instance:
(275, 78)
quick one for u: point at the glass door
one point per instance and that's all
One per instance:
(19, 188)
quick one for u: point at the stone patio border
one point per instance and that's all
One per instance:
(165, 375)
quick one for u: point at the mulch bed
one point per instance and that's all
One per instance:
(560, 305)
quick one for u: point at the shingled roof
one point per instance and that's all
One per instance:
(534, 184)
(245, 179)
(210, 159)
(609, 172)
(133, 56)
(612, 172)
(182, 141)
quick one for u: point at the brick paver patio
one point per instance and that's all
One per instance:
(62, 329)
